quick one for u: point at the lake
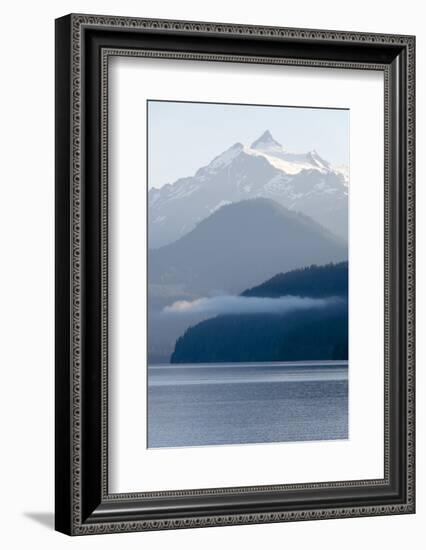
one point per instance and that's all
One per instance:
(226, 404)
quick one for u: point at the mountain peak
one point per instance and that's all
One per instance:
(223, 159)
(265, 140)
(318, 160)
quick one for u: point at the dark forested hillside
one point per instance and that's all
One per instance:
(314, 333)
(314, 281)
(300, 336)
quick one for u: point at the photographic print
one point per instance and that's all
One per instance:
(247, 273)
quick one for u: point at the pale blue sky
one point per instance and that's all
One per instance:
(182, 136)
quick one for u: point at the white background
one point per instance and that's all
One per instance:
(26, 306)
(359, 457)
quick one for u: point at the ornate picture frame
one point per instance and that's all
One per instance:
(84, 45)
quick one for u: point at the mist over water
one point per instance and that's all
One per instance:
(229, 304)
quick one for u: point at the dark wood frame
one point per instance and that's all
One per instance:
(83, 46)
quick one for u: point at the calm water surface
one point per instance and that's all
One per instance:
(222, 404)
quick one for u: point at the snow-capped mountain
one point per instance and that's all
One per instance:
(302, 182)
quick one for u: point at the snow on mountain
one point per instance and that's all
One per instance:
(290, 163)
(303, 182)
(224, 159)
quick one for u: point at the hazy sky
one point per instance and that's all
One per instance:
(183, 137)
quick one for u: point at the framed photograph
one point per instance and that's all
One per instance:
(234, 274)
